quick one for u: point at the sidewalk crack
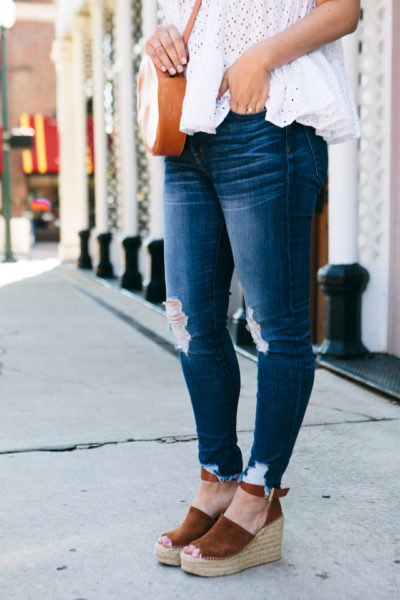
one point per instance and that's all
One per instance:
(175, 439)
(172, 439)
(348, 412)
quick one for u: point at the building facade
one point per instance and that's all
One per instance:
(117, 188)
(32, 103)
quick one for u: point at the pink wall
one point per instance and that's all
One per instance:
(394, 285)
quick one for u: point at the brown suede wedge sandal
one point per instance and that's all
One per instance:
(196, 524)
(228, 548)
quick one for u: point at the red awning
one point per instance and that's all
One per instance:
(44, 157)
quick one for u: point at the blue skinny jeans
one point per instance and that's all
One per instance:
(244, 197)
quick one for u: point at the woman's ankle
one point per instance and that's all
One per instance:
(214, 498)
(247, 510)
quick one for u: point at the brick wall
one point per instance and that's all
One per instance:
(31, 87)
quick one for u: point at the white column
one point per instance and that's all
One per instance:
(149, 25)
(78, 28)
(62, 56)
(376, 34)
(394, 280)
(343, 180)
(100, 140)
(127, 174)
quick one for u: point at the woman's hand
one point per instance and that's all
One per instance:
(248, 82)
(248, 78)
(167, 50)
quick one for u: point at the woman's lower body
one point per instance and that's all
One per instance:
(244, 198)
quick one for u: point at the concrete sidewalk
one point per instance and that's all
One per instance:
(98, 456)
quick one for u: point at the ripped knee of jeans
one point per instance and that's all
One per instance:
(255, 330)
(178, 323)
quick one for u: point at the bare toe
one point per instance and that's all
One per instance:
(165, 541)
(196, 553)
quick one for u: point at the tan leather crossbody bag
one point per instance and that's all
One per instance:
(160, 100)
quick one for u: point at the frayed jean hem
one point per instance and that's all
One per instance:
(215, 471)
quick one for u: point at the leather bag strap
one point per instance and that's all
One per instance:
(189, 26)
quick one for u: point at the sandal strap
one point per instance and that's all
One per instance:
(195, 524)
(207, 476)
(226, 538)
(259, 490)
(278, 493)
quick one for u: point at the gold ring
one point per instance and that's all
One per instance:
(250, 110)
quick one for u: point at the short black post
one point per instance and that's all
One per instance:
(343, 286)
(84, 260)
(132, 279)
(155, 290)
(241, 334)
(105, 268)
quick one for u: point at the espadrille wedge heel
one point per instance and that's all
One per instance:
(196, 524)
(227, 548)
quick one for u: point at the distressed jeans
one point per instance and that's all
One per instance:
(244, 197)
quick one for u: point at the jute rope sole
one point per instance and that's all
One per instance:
(264, 548)
(168, 556)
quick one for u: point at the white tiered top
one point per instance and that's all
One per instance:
(313, 89)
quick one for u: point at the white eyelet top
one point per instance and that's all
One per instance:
(313, 89)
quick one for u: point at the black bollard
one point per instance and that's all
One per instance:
(155, 290)
(241, 335)
(343, 286)
(84, 260)
(132, 279)
(105, 268)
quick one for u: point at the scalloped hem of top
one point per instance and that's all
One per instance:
(333, 132)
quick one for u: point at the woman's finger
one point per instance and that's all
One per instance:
(164, 48)
(234, 106)
(165, 59)
(253, 106)
(248, 106)
(168, 47)
(224, 87)
(237, 102)
(157, 62)
(158, 55)
(241, 109)
(243, 103)
(178, 43)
